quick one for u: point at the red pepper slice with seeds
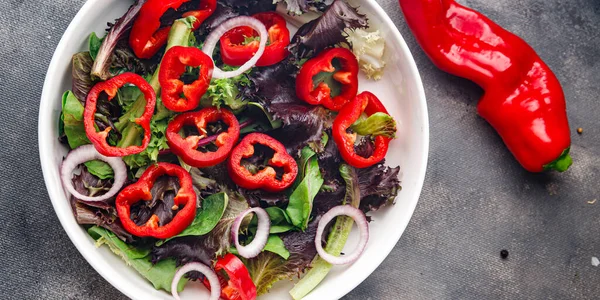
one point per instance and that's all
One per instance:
(173, 65)
(147, 37)
(235, 51)
(187, 148)
(184, 202)
(110, 87)
(266, 178)
(348, 115)
(237, 284)
(321, 93)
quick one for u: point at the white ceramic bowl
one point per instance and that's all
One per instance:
(400, 90)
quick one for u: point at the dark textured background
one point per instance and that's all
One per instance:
(476, 200)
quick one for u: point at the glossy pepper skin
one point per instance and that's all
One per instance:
(523, 99)
(173, 65)
(370, 104)
(186, 148)
(321, 94)
(111, 87)
(266, 178)
(146, 36)
(240, 285)
(235, 53)
(185, 202)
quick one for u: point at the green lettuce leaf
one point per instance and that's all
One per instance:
(160, 274)
(227, 92)
(275, 245)
(307, 186)
(72, 112)
(207, 217)
(94, 44)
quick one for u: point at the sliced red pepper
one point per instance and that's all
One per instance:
(173, 65)
(187, 148)
(147, 37)
(140, 191)
(266, 178)
(110, 87)
(370, 104)
(239, 285)
(321, 94)
(523, 99)
(235, 53)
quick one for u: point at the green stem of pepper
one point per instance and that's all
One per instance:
(562, 163)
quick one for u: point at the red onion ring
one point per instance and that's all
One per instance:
(213, 38)
(84, 154)
(215, 285)
(260, 238)
(361, 221)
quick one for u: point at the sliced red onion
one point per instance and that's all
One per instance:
(215, 285)
(213, 38)
(84, 154)
(260, 238)
(361, 221)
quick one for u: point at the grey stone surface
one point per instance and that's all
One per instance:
(476, 200)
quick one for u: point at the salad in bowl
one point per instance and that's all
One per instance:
(210, 141)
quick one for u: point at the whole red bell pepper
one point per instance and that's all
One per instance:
(235, 51)
(523, 99)
(184, 202)
(236, 283)
(173, 65)
(187, 148)
(111, 87)
(348, 115)
(146, 36)
(321, 93)
(266, 178)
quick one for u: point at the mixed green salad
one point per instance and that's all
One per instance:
(208, 143)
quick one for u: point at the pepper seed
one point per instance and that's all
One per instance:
(504, 254)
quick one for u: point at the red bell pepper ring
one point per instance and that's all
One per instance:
(235, 53)
(370, 104)
(147, 37)
(184, 202)
(110, 87)
(239, 286)
(186, 148)
(523, 99)
(173, 65)
(321, 94)
(266, 178)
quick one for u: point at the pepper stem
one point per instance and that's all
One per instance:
(562, 163)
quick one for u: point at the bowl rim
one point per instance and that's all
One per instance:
(83, 246)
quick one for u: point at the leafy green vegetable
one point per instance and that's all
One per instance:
(100, 169)
(209, 215)
(379, 186)
(226, 92)
(82, 83)
(336, 240)
(72, 111)
(369, 48)
(275, 245)
(326, 30)
(268, 268)
(310, 181)
(280, 222)
(160, 274)
(94, 44)
(376, 124)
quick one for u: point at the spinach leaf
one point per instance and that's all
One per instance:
(307, 186)
(209, 215)
(73, 120)
(280, 221)
(94, 44)
(160, 274)
(275, 245)
(100, 169)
